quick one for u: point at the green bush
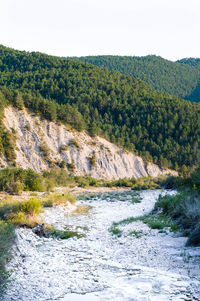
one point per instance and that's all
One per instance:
(14, 180)
(184, 207)
(195, 179)
(71, 166)
(45, 150)
(73, 142)
(31, 206)
(92, 161)
(63, 148)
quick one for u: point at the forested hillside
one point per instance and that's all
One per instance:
(125, 110)
(181, 78)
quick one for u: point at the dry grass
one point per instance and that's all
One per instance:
(82, 209)
(22, 219)
(23, 212)
(58, 199)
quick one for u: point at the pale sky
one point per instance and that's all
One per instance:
(169, 28)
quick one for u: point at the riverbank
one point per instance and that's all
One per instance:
(100, 265)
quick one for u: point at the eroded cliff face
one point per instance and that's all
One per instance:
(41, 144)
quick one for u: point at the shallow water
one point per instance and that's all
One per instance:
(100, 265)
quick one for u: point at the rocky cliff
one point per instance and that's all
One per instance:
(41, 144)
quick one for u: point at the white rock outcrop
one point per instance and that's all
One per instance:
(110, 161)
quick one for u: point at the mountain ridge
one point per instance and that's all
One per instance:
(180, 78)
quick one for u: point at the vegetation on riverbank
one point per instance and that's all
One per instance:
(184, 207)
(7, 236)
(24, 212)
(175, 212)
(16, 180)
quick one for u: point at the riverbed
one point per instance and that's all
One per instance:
(140, 264)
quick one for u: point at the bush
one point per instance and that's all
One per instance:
(73, 142)
(63, 148)
(45, 150)
(21, 213)
(92, 161)
(14, 187)
(71, 166)
(124, 182)
(14, 180)
(184, 207)
(31, 206)
(195, 179)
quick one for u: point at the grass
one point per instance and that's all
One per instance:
(21, 213)
(115, 230)
(7, 236)
(135, 233)
(82, 209)
(183, 208)
(136, 200)
(58, 199)
(15, 212)
(154, 221)
(159, 221)
(62, 234)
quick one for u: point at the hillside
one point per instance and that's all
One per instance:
(40, 144)
(181, 78)
(161, 128)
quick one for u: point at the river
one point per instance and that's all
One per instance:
(140, 265)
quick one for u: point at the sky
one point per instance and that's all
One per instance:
(168, 28)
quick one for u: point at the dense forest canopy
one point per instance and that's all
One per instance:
(181, 78)
(123, 109)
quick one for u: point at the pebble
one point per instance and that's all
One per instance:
(149, 268)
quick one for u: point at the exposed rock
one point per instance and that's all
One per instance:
(39, 230)
(34, 135)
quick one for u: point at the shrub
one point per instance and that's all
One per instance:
(14, 180)
(45, 150)
(124, 182)
(63, 148)
(184, 207)
(62, 164)
(71, 166)
(14, 187)
(92, 161)
(195, 179)
(33, 181)
(74, 143)
(31, 206)
(7, 145)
